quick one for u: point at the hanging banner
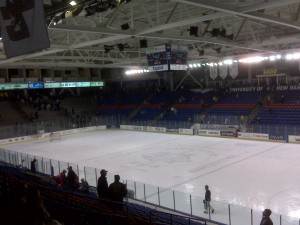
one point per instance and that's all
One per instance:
(223, 71)
(271, 71)
(233, 70)
(213, 72)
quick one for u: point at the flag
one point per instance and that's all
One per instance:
(23, 27)
(213, 72)
(234, 70)
(223, 71)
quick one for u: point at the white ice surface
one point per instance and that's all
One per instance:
(250, 174)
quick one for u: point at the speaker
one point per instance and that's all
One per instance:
(125, 26)
(143, 44)
(194, 31)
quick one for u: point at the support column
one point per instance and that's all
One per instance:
(171, 82)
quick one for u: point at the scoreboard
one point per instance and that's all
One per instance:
(42, 85)
(157, 58)
(167, 57)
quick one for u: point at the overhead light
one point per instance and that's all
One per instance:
(72, 3)
(227, 61)
(272, 58)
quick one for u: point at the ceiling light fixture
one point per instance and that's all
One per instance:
(72, 3)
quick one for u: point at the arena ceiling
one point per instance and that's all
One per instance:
(107, 34)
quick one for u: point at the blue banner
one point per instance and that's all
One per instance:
(277, 137)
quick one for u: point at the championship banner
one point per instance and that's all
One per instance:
(233, 70)
(271, 71)
(213, 72)
(223, 71)
(23, 27)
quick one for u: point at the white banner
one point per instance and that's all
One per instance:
(157, 129)
(209, 132)
(258, 136)
(23, 27)
(294, 139)
(233, 70)
(186, 131)
(213, 72)
(130, 127)
(223, 71)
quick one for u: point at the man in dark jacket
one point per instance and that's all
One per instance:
(32, 166)
(266, 220)
(117, 191)
(207, 200)
(102, 185)
(72, 179)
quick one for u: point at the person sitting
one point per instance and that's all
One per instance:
(84, 186)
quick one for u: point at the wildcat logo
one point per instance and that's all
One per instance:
(18, 28)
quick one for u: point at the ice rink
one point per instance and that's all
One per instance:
(250, 174)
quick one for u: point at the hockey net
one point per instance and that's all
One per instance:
(54, 136)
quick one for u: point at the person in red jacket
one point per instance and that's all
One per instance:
(61, 178)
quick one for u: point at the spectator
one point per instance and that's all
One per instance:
(32, 166)
(61, 178)
(117, 191)
(72, 179)
(266, 220)
(102, 185)
(84, 186)
(21, 165)
(207, 200)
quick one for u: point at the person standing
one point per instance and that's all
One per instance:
(117, 191)
(72, 179)
(102, 185)
(32, 166)
(266, 220)
(207, 200)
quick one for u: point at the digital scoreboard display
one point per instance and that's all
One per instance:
(157, 58)
(36, 85)
(13, 86)
(97, 84)
(178, 57)
(167, 57)
(41, 85)
(52, 85)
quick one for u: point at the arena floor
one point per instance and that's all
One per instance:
(246, 174)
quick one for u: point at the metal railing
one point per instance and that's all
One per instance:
(161, 197)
